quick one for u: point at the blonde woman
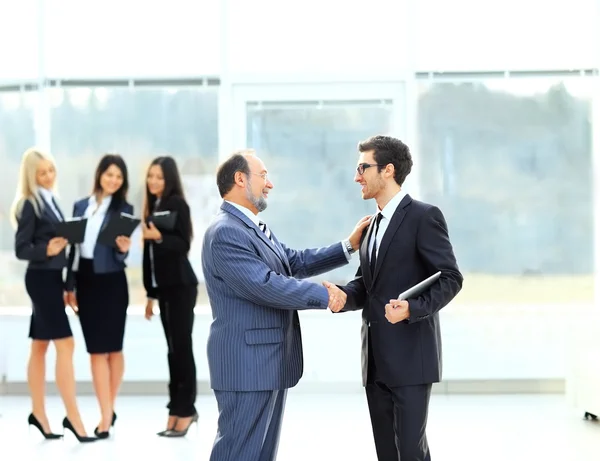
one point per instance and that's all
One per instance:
(35, 213)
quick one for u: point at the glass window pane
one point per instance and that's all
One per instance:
(275, 37)
(140, 125)
(309, 149)
(177, 38)
(18, 40)
(16, 135)
(510, 164)
(472, 35)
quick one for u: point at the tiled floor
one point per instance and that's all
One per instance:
(323, 427)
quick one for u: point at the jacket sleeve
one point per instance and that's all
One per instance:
(434, 247)
(25, 248)
(178, 240)
(237, 263)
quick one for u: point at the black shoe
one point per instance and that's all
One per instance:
(162, 433)
(82, 438)
(105, 434)
(101, 435)
(33, 421)
(174, 433)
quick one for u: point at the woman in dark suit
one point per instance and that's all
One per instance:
(98, 287)
(169, 278)
(35, 213)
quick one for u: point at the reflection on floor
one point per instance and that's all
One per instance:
(320, 427)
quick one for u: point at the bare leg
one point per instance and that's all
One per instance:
(36, 378)
(65, 381)
(102, 384)
(116, 364)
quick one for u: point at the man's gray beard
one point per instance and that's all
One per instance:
(260, 203)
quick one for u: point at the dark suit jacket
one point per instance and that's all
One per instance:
(106, 259)
(171, 264)
(414, 246)
(32, 237)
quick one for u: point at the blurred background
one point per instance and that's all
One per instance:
(498, 102)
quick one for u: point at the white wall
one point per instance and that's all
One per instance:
(484, 343)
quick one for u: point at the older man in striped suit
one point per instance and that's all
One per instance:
(255, 290)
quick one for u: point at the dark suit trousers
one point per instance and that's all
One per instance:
(249, 425)
(398, 418)
(177, 315)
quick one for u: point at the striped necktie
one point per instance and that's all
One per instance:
(263, 227)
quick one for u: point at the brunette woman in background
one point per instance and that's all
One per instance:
(98, 285)
(35, 213)
(170, 279)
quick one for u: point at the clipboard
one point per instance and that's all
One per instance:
(73, 229)
(164, 220)
(122, 224)
(419, 288)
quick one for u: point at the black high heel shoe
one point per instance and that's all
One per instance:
(172, 428)
(81, 438)
(105, 434)
(174, 433)
(33, 421)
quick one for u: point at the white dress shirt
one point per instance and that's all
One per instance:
(48, 197)
(95, 215)
(386, 216)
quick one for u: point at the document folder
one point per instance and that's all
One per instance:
(73, 229)
(164, 220)
(419, 288)
(123, 224)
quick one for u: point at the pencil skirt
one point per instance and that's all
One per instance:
(102, 300)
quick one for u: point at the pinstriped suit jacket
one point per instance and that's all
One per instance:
(255, 290)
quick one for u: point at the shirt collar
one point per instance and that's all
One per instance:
(105, 202)
(390, 208)
(251, 216)
(46, 194)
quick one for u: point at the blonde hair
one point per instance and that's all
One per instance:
(27, 188)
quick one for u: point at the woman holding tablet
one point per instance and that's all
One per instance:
(170, 279)
(97, 284)
(35, 213)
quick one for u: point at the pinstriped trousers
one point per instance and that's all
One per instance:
(249, 425)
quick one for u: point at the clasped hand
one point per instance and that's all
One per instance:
(337, 298)
(150, 232)
(397, 310)
(123, 243)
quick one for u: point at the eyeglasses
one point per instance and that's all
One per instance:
(262, 175)
(360, 169)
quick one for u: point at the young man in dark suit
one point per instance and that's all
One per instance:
(406, 242)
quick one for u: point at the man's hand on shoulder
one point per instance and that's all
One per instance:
(356, 234)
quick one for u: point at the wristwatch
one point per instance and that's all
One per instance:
(349, 247)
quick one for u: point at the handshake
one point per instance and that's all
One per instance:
(337, 298)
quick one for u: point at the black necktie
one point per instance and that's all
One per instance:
(373, 258)
(263, 227)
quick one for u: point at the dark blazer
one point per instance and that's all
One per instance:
(33, 234)
(106, 259)
(255, 293)
(171, 264)
(414, 246)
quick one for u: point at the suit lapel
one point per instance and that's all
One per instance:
(260, 234)
(393, 226)
(49, 213)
